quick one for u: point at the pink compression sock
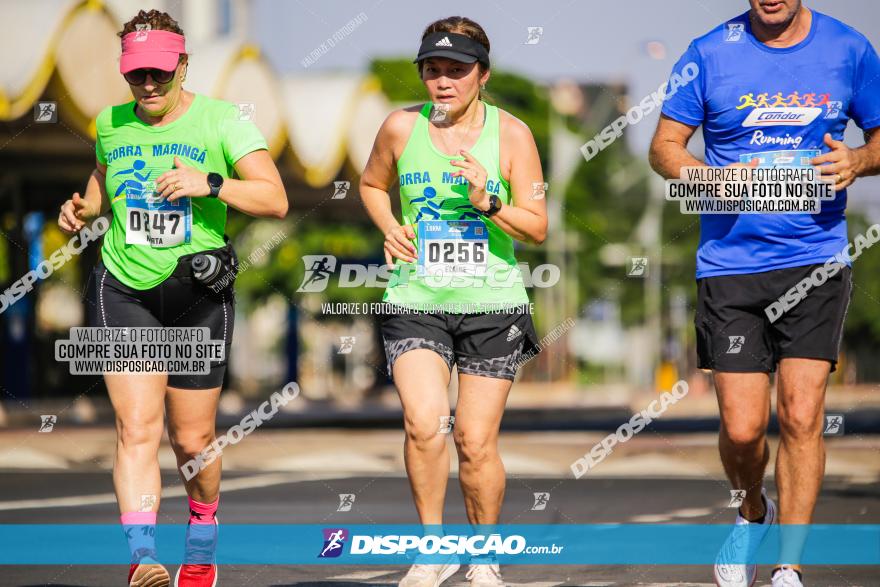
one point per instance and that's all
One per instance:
(202, 513)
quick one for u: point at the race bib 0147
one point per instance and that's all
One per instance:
(154, 221)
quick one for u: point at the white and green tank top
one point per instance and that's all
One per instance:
(466, 263)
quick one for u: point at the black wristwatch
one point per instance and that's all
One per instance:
(215, 182)
(494, 206)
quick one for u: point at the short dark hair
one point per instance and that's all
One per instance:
(155, 19)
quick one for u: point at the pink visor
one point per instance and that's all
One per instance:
(151, 49)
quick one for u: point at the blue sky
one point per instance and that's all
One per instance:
(585, 40)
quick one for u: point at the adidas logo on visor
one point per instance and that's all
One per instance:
(444, 42)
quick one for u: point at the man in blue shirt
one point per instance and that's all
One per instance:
(779, 77)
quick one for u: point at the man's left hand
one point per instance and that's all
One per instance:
(841, 163)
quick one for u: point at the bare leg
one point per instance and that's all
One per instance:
(800, 464)
(744, 404)
(138, 403)
(422, 379)
(478, 414)
(191, 417)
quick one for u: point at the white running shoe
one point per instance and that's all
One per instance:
(785, 576)
(488, 575)
(420, 575)
(742, 544)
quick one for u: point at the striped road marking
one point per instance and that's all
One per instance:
(361, 576)
(176, 491)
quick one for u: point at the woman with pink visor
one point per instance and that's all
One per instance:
(169, 164)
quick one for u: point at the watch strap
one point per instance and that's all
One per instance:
(494, 206)
(215, 189)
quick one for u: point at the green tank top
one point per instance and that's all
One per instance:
(428, 194)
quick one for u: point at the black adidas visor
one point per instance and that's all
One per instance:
(453, 46)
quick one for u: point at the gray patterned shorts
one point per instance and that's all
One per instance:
(487, 345)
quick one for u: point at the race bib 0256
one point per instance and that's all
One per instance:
(453, 247)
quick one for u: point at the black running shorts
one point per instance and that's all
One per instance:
(489, 344)
(179, 301)
(743, 325)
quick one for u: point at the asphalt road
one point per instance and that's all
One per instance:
(299, 498)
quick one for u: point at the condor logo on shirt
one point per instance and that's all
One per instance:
(785, 116)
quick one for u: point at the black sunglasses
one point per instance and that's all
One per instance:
(138, 77)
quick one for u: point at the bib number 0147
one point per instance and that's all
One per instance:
(139, 220)
(158, 223)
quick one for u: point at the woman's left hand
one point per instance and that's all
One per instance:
(475, 173)
(182, 182)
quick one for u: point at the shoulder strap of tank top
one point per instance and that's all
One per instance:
(423, 117)
(493, 132)
(419, 131)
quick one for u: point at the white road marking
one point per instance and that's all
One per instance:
(649, 465)
(361, 576)
(24, 457)
(533, 584)
(327, 461)
(519, 464)
(685, 513)
(176, 491)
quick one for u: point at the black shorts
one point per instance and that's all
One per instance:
(735, 332)
(179, 301)
(489, 345)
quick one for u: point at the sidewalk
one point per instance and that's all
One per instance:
(531, 406)
(346, 452)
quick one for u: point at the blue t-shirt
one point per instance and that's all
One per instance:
(751, 98)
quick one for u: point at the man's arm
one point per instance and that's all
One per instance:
(868, 155)
(845, 164)
(668, 153)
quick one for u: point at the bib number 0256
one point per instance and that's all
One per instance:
(453, 247)
(456, 252)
